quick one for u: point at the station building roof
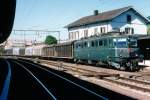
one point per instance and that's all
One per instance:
(101, 17)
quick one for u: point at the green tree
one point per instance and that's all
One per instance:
(50, 40)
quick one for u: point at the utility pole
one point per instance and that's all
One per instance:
(59, 36)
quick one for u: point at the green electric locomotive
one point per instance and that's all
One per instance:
(119, 51)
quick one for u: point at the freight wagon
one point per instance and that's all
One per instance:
(118, 51)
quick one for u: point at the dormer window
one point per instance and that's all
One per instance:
(128, 18)
(129, 30)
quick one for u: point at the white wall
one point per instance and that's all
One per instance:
(90, 29)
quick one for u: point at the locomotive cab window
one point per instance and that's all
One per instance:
(120, 42)
(132, 43)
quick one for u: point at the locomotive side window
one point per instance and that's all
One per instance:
(92, 43)
(100, 42)
(85, 44)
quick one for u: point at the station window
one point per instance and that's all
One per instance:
(128, 18)
(100, 43)
(102, 30)
(129, 30)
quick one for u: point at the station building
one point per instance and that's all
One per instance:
(127, 20)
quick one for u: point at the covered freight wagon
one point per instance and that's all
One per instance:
(48, 51)
(38, 50)
(64, 50)
(29, 51)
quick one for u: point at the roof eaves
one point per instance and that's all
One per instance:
(73, 26)
(148, 21)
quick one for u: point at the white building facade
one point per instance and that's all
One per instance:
(126, 20)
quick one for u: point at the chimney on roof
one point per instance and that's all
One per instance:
(95, 12)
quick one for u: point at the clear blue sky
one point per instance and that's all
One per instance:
(55, 14)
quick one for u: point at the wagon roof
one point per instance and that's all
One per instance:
(49, 46)
(65, 43)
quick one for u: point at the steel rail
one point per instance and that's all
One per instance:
(135, 81)
(114, 81)
(127, 85)
(45, 88)
(82, 70)
(102, 97)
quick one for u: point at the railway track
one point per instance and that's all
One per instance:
(83, 71)
(33, 81)
(106, 76)
(130, 83)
